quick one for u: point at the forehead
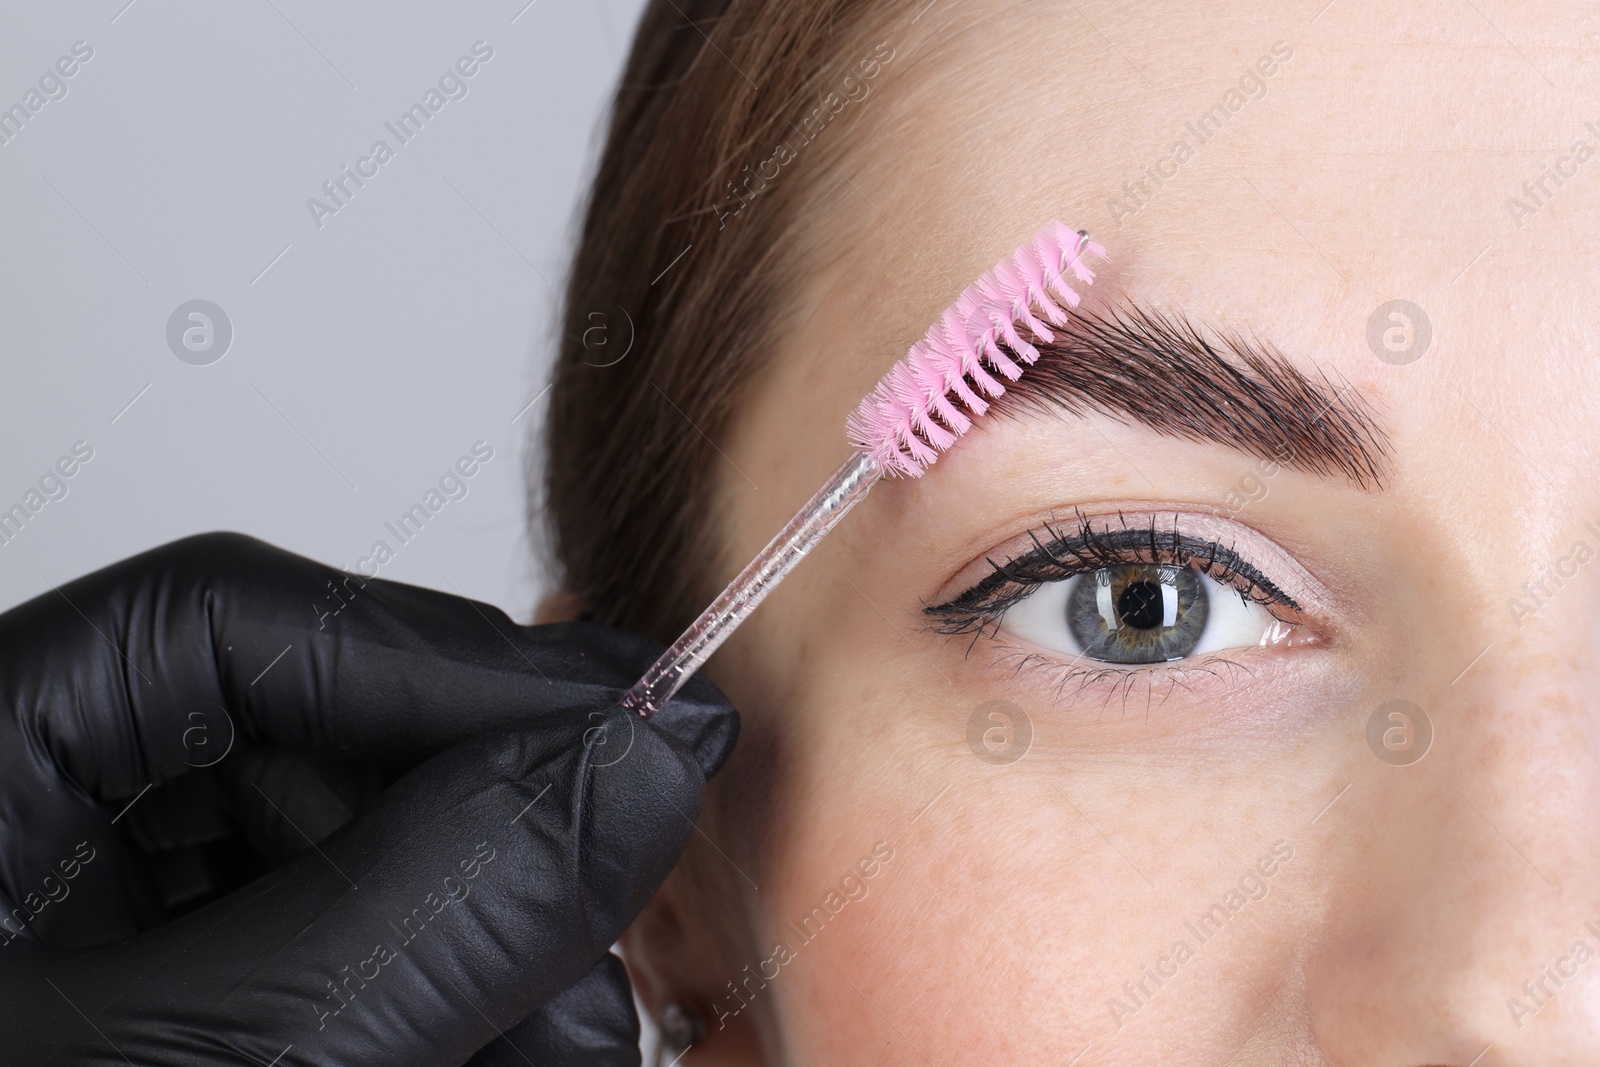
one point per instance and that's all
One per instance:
(1369, 151)
(1283, 175)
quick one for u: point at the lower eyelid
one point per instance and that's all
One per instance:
(1150, 685)
(1212, 681)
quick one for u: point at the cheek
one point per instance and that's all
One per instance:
(1024, 900)
(1001, 935)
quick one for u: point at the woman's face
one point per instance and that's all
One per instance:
(1004, 846)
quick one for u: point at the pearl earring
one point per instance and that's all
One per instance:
(682, 1028)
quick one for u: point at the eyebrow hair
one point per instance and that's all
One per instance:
(1159, 369)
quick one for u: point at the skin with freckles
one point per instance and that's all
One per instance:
(1359, 911)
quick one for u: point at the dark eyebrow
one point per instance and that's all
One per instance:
(1159, 369)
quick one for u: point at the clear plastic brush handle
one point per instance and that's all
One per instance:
(821, 513)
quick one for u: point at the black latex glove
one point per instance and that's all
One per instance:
(464, 914)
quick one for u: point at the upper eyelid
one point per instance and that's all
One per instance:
(1200, 522)
(1194, 550)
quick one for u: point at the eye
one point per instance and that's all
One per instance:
(1138, 613)
(1123, 592)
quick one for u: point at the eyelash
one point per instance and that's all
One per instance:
(1061, 554)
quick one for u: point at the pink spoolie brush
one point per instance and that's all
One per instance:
(916, 411)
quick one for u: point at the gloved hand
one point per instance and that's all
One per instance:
(171, 725)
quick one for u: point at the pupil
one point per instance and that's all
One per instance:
(1137, 612)
(1140, 605)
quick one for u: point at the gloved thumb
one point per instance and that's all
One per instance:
(484, 882)
(590, 1024)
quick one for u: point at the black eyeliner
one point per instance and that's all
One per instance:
(1063, 554)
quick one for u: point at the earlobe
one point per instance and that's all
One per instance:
(557, 606)
(673, 966)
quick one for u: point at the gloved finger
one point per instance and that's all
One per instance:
(114, 668)
(284, 802)
(589, 1024)
(89, 874)
(478, 887)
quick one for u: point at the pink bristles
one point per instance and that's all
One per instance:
(927, 400)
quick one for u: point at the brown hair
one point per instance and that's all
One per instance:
(686, 248)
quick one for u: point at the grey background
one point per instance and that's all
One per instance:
(369, 354)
